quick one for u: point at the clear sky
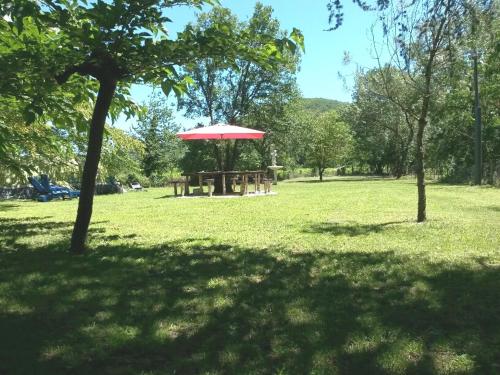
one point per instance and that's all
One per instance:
(323, 60)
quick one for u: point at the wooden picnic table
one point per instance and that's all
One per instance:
(258, 175)
(178, 183)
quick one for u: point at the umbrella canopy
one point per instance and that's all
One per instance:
(221, 131)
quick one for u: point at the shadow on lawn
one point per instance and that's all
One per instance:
(196, 307)
(167, 196)
(351, 229)
(12, 230)
(342, 179)
(7, 206)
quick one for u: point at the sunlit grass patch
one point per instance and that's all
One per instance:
(331, 278)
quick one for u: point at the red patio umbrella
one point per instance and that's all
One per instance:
(221, 131)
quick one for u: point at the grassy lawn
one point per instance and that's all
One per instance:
(331, 278)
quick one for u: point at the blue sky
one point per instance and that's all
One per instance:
(323, 60)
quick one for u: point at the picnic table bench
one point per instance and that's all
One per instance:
(242, 177)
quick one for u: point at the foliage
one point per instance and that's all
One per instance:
(277, 117)
(328, 141)
(490, 89)
(157, 130)
(452, 119)
(382, 120)
(421, 36)
(40, 147)
(73, 44)
(242, 92)
(43, 147)
(200, 155)
(322, 278)
(121, 155)
(321, 104)
(387, 101)
(225, 91)
(336, 12)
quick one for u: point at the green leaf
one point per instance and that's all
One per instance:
(29, 116)
(166, 87)
(297, 36)
(179, 90)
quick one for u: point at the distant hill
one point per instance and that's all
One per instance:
(321, 104)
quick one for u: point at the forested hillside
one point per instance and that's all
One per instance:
(322, 104)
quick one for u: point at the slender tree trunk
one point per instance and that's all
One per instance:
(397, 169)
(321, 174)
(105, 96)
(491, 173)
(478, 148)
(226, 160)
(420, 171)
(405, 150)
(419, 152)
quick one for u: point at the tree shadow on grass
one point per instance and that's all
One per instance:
(351, 229)
(342, 179)
(7, 206)
(195, 306)
(168, 196)
(14, 230)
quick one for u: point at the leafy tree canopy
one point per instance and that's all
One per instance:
(329, 140)
(157, 130)
(244, 92)
(48, 43)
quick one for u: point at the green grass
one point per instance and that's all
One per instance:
(331, 278)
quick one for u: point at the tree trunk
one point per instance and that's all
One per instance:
(478, 147)
(404, 153)
(398, 168)
(491, 173)
(226, 160)
(419, 152)
(105, 96)
(321, 174)
(420, 171)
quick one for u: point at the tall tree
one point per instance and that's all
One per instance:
(157, 129)
(227, 91)
(489, 77)
(114, 44)
(329, 140)
(121, 155)
(420, 35)
(276, 115)
(382, 119)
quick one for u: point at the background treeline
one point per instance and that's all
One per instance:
(374, 134)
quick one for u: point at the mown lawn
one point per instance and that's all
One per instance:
(331, 278)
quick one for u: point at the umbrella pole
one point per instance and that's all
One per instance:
(221, 151)
(223, 176)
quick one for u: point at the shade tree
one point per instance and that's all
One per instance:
(96, 50)
(419, 38)
(381, 117)
(242, 90)
(157, 128)
(328, 140)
